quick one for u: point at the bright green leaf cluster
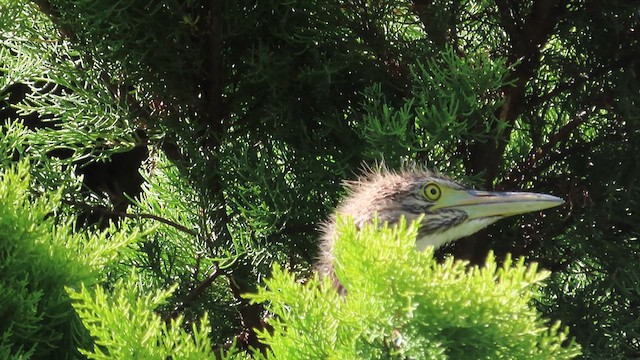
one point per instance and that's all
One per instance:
(453, 98)
(125, 326)
(40, 254)
(172, 253)
(402, 304)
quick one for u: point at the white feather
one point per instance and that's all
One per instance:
(465, 229)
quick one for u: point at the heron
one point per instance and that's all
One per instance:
(449, 210)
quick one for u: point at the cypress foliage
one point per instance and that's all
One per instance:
(40, 255)
(221, 130)
(412, 308)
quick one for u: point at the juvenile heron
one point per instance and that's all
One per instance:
(450, 210)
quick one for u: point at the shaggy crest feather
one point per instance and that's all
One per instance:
(376, 191)
(447, 209)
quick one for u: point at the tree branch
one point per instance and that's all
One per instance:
(121, 214)
(576, 82)
(251, 315)
(196, 292)
(530, 166)
(485, 157)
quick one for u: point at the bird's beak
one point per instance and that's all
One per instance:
(484, 204)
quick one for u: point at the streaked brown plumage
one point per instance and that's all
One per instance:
(450, 210)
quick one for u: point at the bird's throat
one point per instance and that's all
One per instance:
(440, 238)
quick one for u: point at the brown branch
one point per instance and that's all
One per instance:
(526, 42)
(213, 128)
(122, 214)
(374, 37)
(251, 316)
(53, 14)
(508, 21)
(576, 82)
(425, 11)
(530, 166)
(542, 157)
(196, 292)
(212, 118)
(213, 61)
(291, 229)
(525, 49)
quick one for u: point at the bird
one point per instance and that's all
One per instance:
(449, 210)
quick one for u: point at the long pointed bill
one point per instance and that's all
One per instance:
(484, 204)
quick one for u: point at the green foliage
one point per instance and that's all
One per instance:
(401, 303)
(599, 292)
(253, 112)
(452, 100)
(82, 119)
(124, 45)
(124, 325)
(171, 253)
(12, 142)
(39, 257)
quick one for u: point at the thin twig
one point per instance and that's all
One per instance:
(532, 164)
(195, 293)
(123, 214)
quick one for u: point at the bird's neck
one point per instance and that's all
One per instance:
(440, 238)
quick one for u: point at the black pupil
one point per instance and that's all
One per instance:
(433, 191)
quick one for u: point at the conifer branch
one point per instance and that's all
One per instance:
(532, 165)
(196, 292)
(122, 214)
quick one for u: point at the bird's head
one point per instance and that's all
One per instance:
(449, 209)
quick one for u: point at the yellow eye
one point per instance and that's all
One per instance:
(431, 192)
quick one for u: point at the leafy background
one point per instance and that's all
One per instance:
(221, 130)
